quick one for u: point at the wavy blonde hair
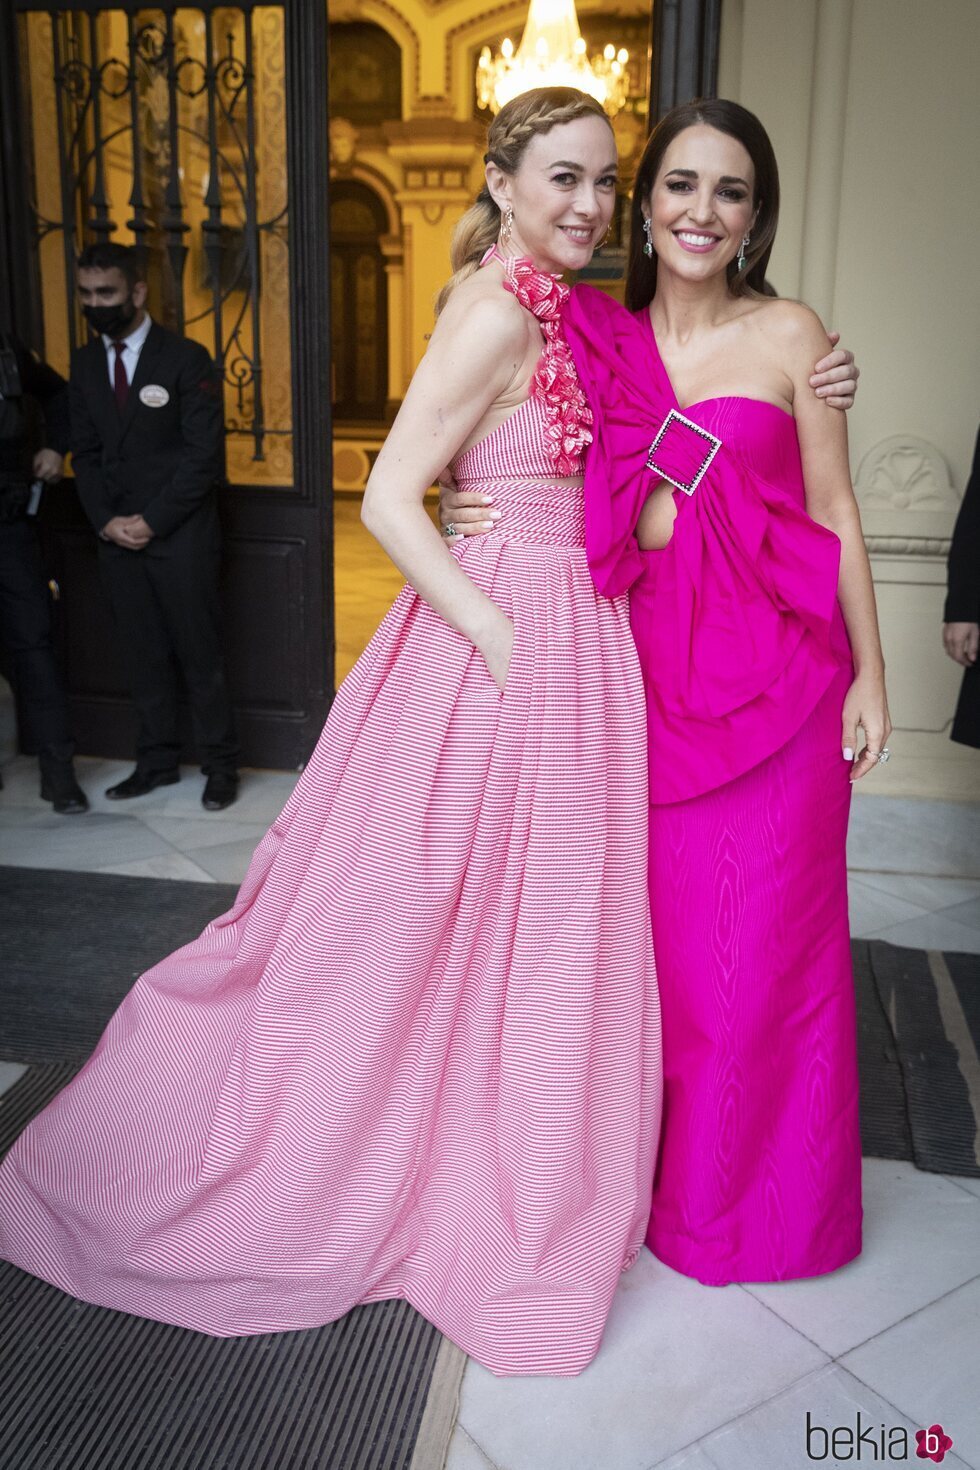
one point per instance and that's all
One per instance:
(522, 119)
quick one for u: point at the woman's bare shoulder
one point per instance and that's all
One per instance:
(790, 324)
(482, 307)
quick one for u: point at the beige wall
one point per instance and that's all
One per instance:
(872, 108)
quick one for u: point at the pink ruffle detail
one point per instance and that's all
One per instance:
(569, 418)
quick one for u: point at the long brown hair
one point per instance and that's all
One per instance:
(738, 122)
(522, 119)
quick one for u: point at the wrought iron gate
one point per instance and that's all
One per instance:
(198, 133)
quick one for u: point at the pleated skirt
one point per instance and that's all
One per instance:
(420, 1056)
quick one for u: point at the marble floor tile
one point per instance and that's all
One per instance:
(896, 834)
(921, 1239)
(678, 1360)
(965, 913)
(81, 843)
(870, 909)
(187, 834)
(464, 1454)
(9, 1074)
(261, 801)
(928, 1365)
(693, 1458)
(925, 893)
(972, 1186)
(167, 865)
(932, 931)
(21, 784)
(227, 862)
(38, 814)
(775, 1434)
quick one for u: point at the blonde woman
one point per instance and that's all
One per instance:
(420, 1057)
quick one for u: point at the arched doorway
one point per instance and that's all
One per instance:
(359, 302)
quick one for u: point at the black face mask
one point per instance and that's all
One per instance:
(112, 321)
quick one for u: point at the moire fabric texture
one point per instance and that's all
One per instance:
(746, 663)
(420, 1056)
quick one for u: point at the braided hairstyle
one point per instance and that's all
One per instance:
(522, 119)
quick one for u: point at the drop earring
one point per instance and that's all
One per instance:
(507, 224)
(746, 242)
(648, 231)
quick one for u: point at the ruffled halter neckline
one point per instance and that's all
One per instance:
(555, 383)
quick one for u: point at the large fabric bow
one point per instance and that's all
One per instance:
(736, 619)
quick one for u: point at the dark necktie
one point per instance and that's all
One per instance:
(120, 382)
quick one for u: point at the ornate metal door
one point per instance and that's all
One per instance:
(200, 133)
(359, 303)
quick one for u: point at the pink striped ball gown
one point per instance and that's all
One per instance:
(419, 1057)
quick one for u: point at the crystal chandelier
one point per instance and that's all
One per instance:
(552, 53)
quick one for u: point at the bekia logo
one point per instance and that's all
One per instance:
(932, 1443)
(869, 1443)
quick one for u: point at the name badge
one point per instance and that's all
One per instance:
(154, 396)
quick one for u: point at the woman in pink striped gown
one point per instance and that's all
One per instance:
(748, 594)
(419, 1058)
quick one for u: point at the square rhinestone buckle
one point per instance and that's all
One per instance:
(712, 444)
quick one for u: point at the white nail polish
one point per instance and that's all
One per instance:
(848, 753)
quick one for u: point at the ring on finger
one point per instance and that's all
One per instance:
(450, 531)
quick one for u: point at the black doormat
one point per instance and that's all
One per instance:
(92, 1389)
(919, 1038)
(74, 943)
(89, 1389)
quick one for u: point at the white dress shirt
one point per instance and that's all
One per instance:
(131, 350)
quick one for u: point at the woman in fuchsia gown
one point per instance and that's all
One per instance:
(718, 490)
(751, 701)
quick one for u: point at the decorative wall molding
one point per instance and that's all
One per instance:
(907, 500)
(929, 546)
(905, 473)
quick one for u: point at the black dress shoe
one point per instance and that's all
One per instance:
(141, 782)
(59, 786)
(220, 790)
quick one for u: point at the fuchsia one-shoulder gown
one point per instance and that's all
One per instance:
(420, 1056)
(746, 662)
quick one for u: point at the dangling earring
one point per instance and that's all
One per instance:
(507, 224)
(746, 242)
(648, 231)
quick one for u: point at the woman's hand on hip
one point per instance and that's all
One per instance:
(469, 515)
(865, 707)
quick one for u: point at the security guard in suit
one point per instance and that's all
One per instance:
(25, 616)
(147, 440)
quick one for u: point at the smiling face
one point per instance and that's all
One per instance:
(563, 193)
(701, 204)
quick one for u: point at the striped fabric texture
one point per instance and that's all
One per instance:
(419, 1058)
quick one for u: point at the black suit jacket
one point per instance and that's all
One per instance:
(963, 596)
(161, 462)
